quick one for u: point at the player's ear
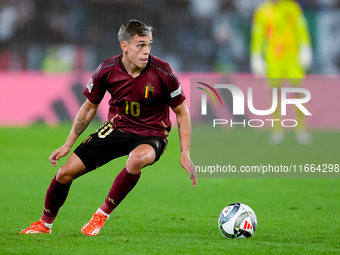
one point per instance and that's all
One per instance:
(124, 46)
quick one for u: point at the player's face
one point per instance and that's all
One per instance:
(138, 50)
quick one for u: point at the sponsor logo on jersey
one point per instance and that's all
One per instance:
(157, 144)
(111, 201)
(89, 85)
(88, 139)
(47, 210)
(176, 92)
(148, 90)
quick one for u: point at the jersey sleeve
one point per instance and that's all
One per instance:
(176, 93)
(302, 26)
(257, 33)
(94, 90)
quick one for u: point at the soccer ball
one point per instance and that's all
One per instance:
(237, 221)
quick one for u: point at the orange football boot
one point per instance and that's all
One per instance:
(37, 228)
(93, 227)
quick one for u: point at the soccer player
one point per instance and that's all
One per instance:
(281, 48)
(142, 89)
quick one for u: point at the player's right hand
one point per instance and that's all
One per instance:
(257, 65)
(187, 164)
(57, 154)
(305, 57)
(193, 174)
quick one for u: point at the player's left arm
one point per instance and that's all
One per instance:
(257, 62)
(305, 56)
(184, 131)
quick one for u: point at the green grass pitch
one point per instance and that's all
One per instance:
(164, 214)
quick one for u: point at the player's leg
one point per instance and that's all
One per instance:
(90, 154)
(58, 190)
(56, 194)
(302, 135)
(276, 83)
(296, 82)
(146, 153)
(124, 182)
(274, 80)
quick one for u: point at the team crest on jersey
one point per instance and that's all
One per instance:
(148, 90)
(89, 85)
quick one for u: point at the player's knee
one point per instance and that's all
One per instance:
(137, 161)
(65, 176)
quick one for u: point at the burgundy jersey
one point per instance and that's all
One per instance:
(138, 105)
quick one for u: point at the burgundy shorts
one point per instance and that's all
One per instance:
(107, 144)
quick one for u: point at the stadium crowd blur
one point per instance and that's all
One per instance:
(192, 35)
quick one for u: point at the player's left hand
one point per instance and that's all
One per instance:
(57, 154)
(257, 65)
(187, 164)
(305, 57)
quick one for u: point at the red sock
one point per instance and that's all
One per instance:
(122, 185)
(55, 197)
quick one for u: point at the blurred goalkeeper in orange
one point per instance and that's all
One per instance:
(281, 48)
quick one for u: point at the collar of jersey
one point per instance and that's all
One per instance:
(124, 70)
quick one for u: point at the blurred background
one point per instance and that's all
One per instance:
(42, 41)
(192, 35)
(48, 51)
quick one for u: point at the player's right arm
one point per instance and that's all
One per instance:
(257, 63)
(305, 56)
(85, 115)
(257, 32)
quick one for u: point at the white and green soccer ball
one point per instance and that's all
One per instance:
(237, 220)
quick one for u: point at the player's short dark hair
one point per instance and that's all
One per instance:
(131, 28)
